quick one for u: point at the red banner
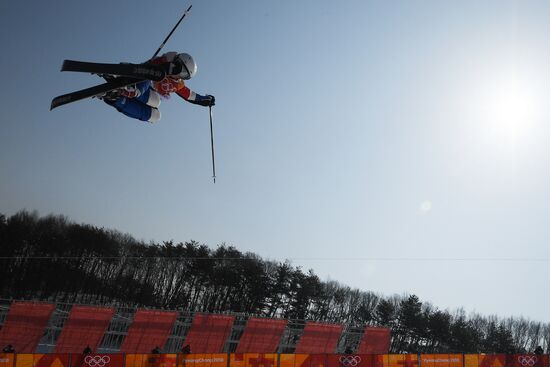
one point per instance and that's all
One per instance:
(151, 360)
(527, 360)
(97, 360)
(394, 360)
(349, 360)
(325, 360)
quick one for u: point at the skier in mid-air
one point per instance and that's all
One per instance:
(136, 89)
(141, 101)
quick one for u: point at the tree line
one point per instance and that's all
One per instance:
(54, 259)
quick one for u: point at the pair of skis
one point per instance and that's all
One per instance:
(123, 75)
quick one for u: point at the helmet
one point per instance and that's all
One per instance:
(189, 68)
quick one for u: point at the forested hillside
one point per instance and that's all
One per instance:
(52, 258)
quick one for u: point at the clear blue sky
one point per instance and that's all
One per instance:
(344, 131)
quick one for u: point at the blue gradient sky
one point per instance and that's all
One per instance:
(344, 131)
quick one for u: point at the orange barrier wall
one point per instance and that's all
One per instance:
(253, 360)
(7, 359)
(272, 360)
(203, 360)
(395, 360)
(484, 360)
(441, 360)
(42, 360)
(348, 360)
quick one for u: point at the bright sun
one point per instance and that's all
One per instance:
(509, 108)
(503, 112)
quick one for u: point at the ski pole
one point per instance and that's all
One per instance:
(212, 144)
(172, 31)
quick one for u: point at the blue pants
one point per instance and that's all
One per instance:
(136, 108)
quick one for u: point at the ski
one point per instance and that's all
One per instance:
(95, 91)
(138, 71)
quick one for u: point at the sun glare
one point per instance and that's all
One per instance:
(503, 112)
(512, 107)
(508, 108)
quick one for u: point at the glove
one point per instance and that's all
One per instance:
(206, 101)
(212, 100)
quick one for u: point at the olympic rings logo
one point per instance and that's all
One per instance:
(166, 87)
(97, 361)
(527, 361)
(350, 361)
